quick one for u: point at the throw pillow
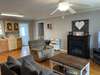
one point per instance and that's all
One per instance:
(11, 61)
(33, 65)
(29, 58)
(28, 65)
(27, 69)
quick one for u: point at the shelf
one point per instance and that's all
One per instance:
(65, 70)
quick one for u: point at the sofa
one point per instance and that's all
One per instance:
(23, 66)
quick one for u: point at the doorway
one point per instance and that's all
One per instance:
(41, 30)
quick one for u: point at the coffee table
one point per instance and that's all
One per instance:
(64, 64)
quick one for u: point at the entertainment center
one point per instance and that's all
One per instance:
(79, 45)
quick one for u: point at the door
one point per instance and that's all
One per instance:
(24, 33)
(41, 30)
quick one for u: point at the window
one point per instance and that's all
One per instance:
(1, 28)
(24, 32)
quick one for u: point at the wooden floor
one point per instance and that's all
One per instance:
(95, 69)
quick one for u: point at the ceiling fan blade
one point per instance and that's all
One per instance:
(72, 11)
(54, 11)
(87, 3)
(81, 4)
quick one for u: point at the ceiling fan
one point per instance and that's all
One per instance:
(66, 5)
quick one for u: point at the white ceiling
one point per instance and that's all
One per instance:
(38, 9)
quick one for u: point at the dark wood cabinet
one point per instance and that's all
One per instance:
(79, 45)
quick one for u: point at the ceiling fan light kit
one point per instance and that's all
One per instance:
(63, 6)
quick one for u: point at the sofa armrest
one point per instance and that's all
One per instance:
(6, 71)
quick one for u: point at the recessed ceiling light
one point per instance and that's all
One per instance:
(12, 15)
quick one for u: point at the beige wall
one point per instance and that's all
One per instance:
(61, 27)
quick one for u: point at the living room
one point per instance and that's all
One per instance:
(43, 22)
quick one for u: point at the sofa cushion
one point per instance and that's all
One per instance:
(28, 69)
(29, 59)
(28, 65)
(6, 71)
(11, 61)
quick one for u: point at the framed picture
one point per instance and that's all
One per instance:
(80, 25)
(49, 26)
(8, 26)
(16, 26)
(11, 26)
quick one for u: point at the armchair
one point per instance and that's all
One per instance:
(40, 50)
